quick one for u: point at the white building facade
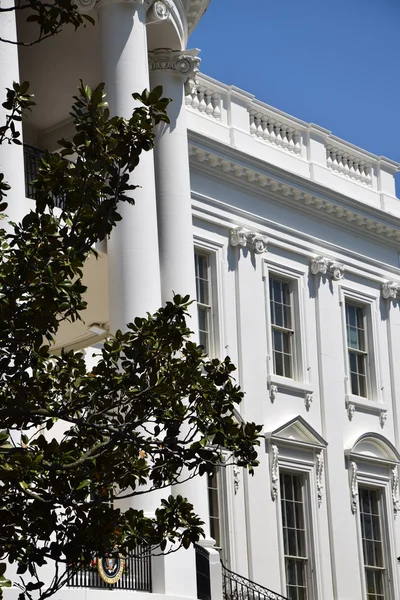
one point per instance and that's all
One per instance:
(290, 238)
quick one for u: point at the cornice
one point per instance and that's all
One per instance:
(195, 9)
(253, 174)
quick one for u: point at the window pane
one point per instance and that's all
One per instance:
(281, 321)
(294, 537)
(374, 560)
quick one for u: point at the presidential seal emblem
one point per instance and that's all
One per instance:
(111, 567)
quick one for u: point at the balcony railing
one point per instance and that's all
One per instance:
(32, 157)
(236, 587)
(135, 576)
(203, 579)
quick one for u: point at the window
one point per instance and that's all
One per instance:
(282, 326)
(213, 504)
(203, 294)
(356, 346)
(294, 535)
(217, 504)
(372, 543)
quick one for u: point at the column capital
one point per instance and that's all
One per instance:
(180, 62)
(85, 6)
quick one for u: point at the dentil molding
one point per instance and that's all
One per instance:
(326, 266)
(227, 168)
(248, 239)
(390, 290)
(184, 63)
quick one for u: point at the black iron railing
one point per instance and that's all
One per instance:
(135, 576)
(32, 157)
(203, 573)
(236, 587)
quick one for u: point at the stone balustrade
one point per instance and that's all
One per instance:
(348, 165)
(265, 126)
(236, 118)
(203, 98)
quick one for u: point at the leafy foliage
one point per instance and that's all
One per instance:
(153, 412)
(48, 18)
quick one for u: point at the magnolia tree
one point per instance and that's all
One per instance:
(154, 411)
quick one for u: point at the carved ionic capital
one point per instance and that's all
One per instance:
(158, 12)
(246, 238)
(85, 6)
(326, 266)
(390, 289)
(184, 63)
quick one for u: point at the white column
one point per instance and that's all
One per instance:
(134, 273)
(171, 70)
(11, 155)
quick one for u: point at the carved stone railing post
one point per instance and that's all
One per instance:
(248, 239)
(327, 266)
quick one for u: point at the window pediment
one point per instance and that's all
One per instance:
(297, 432)
(374, 447)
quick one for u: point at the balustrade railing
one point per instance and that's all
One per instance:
(270, 129)
(136, 574)
(348, 165)
(204, 99)
(236, 587)
(32, 158)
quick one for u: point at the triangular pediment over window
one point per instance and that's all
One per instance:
(375, 448)
(297, 432)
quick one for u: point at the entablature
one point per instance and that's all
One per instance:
(250, 173)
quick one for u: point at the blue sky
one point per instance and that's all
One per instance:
(336, 64)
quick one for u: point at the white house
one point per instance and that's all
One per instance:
(296, 238)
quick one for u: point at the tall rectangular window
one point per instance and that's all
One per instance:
(357, 349)
(214, 509)
(203, 294)
(372, 542)
(282, 326)
(294, 536)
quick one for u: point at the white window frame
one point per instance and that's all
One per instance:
(368, 478)
(307, 470)
(214, 253)
(297, 280)
(370, 305)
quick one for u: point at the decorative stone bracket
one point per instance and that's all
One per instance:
(320, 476)
(354, 487)
(250, 239)
(390, 290)
(326, 266)
(395, 490)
